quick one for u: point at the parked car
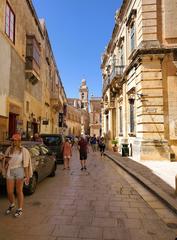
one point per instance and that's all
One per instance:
(43, 164)
(55, 143)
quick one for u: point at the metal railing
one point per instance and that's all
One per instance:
(117, 72)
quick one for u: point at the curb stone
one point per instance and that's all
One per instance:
(171, 203)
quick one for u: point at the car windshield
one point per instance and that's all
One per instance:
(52, 140)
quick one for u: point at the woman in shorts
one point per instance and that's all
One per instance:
(67, 153)
(18, 168)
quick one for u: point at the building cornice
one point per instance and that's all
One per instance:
(150, 51)
(138, 54)
(112, 42)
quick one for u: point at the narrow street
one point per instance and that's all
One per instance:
(94, 204)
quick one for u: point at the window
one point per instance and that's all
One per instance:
(131, 28)
(82, 105)
(60, 120)
(10, 23)
(107, 123)
(36, 53)
(132, 36)
(82, 96)
(33, 55)
(132, 115)
(114, 60)
(121, 56)
(52, 140)
(33, 49)
(27, 106)
(120, 120)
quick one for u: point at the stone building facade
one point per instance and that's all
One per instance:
(95, 116)
(29, 75)
(82, 106)
(73, 121)
(139, 69)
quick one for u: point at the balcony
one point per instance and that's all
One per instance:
(32, 68)
(114, 76)
(55, 101)
(116, 73)
(106, 83)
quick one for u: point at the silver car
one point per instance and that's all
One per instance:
(43, 164)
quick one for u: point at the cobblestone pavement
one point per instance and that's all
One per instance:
(94, 204)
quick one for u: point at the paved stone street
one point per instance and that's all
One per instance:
(94, 204)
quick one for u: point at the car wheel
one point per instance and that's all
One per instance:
(32, 185)
(52, 174)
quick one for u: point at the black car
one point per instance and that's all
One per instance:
(55, 143)
(43, 163)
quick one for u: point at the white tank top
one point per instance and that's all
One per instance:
(16, 160)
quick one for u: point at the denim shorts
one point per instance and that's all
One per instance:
(16, 173)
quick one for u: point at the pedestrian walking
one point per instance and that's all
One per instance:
(18, 169)
(67, 153)
(102, 145)
(83, 150)
(76, 140)
(93, 142)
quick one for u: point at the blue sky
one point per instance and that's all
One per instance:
(79, 30)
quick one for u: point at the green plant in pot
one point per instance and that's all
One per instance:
(115, 147)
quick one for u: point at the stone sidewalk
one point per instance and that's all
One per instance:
(158, 176)
(97, 204)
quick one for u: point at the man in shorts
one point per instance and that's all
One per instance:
(83, 149)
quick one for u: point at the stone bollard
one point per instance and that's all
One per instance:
(176, 184)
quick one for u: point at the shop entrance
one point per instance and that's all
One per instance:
(32, 128)
(12, 124)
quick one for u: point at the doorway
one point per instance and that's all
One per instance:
(12, 124)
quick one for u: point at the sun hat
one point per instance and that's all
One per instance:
(16, 137)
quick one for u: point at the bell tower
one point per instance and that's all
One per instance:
(84, 95)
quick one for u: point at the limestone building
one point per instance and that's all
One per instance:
(81, 104)
(31, 91)
(73, 121)
(139, 69)
(95, 116)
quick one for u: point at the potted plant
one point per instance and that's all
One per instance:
(115, 147)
